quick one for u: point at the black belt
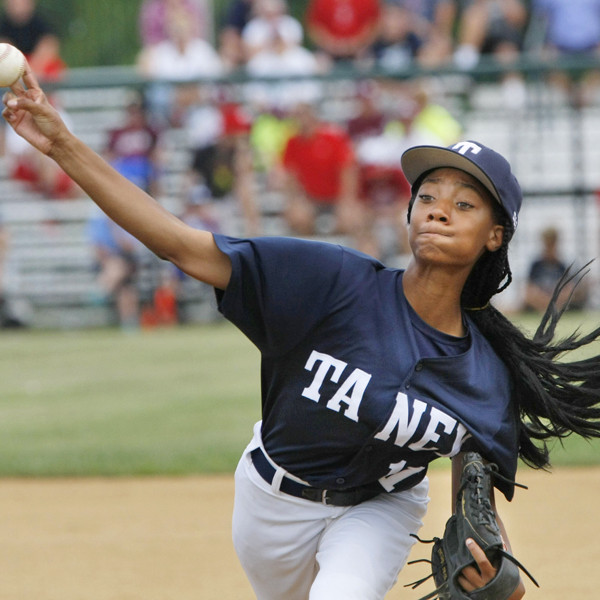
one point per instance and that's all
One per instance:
(348, 497)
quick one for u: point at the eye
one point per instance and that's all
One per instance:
(464, 205)
(425, 198)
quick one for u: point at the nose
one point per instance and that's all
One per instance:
(437, 213)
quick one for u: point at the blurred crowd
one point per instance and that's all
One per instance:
(264, 38)
(336, 175)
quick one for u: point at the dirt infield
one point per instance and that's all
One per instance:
(169, 539)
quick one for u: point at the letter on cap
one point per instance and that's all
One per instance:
(464, 147)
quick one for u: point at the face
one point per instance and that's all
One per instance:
(452, 220)
(19, 10)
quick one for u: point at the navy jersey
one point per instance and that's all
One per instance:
(356, 389)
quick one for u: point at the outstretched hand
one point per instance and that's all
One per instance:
(28, 111)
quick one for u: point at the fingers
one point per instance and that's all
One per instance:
(27, 86)
(472, 577)
(7, 96)
(29, 79)
(9, 111)
(485, 566)
(10, 101)
(17, 88)
(20, 98)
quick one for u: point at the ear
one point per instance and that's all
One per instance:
(495, 239)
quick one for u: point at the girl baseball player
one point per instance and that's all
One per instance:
(368, 373)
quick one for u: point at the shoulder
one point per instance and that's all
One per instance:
(282, 247)
(290, 254)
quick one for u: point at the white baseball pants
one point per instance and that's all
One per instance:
(297, 549)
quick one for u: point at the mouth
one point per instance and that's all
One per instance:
(431, 232)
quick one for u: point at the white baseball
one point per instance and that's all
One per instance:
(12, 64)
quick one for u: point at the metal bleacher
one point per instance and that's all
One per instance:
(50, 277)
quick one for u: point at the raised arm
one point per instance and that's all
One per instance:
(29, 113)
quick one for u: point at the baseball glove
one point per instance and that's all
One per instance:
(474, 518)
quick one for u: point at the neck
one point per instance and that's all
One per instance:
(434, 294)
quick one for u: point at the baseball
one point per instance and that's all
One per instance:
(12, 64)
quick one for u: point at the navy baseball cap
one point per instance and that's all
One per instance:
(487, 166)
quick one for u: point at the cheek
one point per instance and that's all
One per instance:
(411, 226)
(482, 239)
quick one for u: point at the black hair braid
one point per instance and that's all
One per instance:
(554, 398)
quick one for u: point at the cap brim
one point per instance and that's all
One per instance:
(420, 159)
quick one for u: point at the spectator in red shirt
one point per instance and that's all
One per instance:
(342, 30)
(321, 176)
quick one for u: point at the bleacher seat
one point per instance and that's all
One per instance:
(51, 266)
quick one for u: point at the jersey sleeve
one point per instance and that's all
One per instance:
(280, 288)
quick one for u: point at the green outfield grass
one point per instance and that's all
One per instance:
(165, 401)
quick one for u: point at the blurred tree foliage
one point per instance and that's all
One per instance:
(105, 32)
(93, 32)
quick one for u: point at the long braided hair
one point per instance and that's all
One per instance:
(553, 398)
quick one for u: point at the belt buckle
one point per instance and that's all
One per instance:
(325, 499)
